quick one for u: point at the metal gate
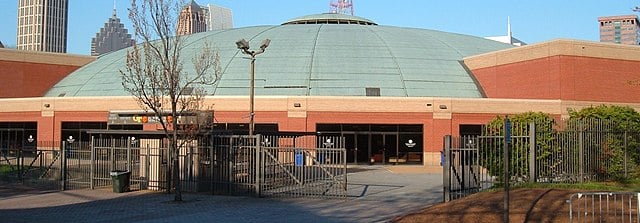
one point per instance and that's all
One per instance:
(475, 163)
(462, 174)
(36, 167)
(269, 166)
(219, 164)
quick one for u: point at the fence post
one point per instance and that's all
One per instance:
(446, 168)
(212, 175)
(129, 142)
(581, 153)
(507, 142)
(532, 152)
(93, 162)
(112, 159)
(168, 174)
(625, 155)
(63, 169)
(258, 162)
(20, 164)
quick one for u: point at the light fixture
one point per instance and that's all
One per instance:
(71, 139)
(297, 105)
(443, 107)
(243, 45)
(328, 143)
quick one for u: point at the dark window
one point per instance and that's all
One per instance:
(384, 128)
(470, 130)
(79, 130)
(371, 91)
(411, 128)
(125, 127)
(328, 127)
(355, 127)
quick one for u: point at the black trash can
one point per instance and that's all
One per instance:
(120, 181)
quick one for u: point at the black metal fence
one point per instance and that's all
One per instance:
(572, 151)
(39, 167)
(306, 165)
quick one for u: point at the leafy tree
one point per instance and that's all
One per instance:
(610, 139)
(519, 152)
(159, 80)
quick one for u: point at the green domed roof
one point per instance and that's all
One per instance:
(317, 60)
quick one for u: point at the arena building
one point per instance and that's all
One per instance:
(392, 92)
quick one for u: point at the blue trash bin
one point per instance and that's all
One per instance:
(299, 158)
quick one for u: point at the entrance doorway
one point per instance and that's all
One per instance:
(379, 144)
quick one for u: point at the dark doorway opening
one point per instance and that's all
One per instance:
(379, 143)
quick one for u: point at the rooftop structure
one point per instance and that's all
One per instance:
(344, 7)
(508, 39)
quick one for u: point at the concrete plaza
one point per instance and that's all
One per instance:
(375, 194)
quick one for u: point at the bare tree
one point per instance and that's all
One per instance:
(156, 76)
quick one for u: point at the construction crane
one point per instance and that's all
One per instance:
(341, 7)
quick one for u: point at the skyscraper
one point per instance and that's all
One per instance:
(192, 19)
(113, 36)
(218, 17)
(42, 25)
(620, 29)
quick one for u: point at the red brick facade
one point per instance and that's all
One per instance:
(565, 78)
(23, 80)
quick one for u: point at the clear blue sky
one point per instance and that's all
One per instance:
(532, 21)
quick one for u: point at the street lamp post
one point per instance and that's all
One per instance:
(244, 46)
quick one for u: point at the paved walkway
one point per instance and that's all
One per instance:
(376, 194)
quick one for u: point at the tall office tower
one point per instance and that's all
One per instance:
(218, 17)
(42, 25)
(192, 19)
(113, 36)
(622, 29)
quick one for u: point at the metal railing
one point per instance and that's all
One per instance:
(572, 151)
(34, 166)
(604, 207)
(219, 164)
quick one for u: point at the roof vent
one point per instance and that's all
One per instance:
(330, 18)
(187, 91)
(373, 92)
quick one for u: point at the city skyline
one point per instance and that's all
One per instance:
(532, 22)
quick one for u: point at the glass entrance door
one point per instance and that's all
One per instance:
(362, 148)
(357, 146)
(384, 148)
